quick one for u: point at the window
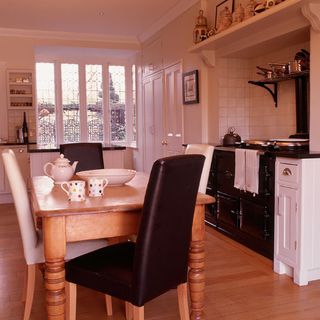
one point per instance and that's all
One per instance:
(46, 107)
(71, 103)
(117, 103)
(94, 95)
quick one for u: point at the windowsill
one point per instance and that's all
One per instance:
(32, 148)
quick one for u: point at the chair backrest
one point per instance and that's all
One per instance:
(22, 205)
(207, 151)
(89, 155)
(163, 240)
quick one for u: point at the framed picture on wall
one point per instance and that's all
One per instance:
(190, 85)
(221, 6)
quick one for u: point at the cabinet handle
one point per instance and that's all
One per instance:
(164, 142)
(287, 172)
(21, 150)
(228, 174)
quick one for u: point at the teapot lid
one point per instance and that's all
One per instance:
(62, 161)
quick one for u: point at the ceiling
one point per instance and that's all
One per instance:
(132, 20)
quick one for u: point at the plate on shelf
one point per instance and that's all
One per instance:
(115, 177)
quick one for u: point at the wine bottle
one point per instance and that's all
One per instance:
(25, 129)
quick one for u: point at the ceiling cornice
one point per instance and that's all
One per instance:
(172, 14)
(24, 33)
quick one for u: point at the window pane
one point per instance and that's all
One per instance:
(70, 102)
(117, 103)
(94, 102)
(134, 109)
(46, 108)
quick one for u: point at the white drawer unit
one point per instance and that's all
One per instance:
(23, 161)
(297, 219)
(288, 172)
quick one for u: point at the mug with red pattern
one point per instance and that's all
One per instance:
(75, 189)
(96, 186)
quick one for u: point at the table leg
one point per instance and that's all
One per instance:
(196, 276)
(54, 251)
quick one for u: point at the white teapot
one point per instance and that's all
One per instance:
(61, 170)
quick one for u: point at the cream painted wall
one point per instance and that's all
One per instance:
(315, 91)
(176, 39)
(250, 109)
(18, 52)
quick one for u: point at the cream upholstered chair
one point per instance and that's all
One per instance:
(31, 237)
(207, 151)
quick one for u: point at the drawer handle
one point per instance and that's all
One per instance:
(287, 172)
(228, 174)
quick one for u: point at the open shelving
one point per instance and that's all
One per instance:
(20, 89)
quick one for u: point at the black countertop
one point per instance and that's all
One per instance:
(296, 154)
(33, 147)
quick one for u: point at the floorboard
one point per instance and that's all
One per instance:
(240, 285)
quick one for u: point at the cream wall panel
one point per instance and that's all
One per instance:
(314, 91)
(113, 158)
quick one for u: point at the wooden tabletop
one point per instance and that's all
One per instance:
(54, 201)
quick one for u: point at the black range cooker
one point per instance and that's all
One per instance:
(243, 216)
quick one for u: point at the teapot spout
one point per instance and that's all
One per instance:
(74, 165)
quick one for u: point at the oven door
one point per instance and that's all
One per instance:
(255, 219)
(227, 212)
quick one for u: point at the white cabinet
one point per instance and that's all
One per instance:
(286, 225)
(23, 161)
(297, 219)
(20, 89)
(152, 57)
(173, 107)
(152, 89)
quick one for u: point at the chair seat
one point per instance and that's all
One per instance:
(110, 267)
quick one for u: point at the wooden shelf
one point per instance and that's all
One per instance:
(284, 78)
(279, 26)
(274, 82)
(21, 83)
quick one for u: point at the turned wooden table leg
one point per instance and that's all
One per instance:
(196, 277)
(54, 250)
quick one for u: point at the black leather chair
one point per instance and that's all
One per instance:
(89, 155)
(158, 260)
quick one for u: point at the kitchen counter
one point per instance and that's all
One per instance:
(33, 148)
(296, 154)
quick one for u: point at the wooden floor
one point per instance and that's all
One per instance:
(240, 285)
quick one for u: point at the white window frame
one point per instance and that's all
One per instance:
(83, 103)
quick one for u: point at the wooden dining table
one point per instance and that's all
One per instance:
(115, 214)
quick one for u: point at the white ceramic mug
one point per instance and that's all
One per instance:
(96, 186)
(75, 189)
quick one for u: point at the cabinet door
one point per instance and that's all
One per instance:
(227, 212)
(224, 163)
(173, 110)
(152, 57)
(2, 174)
(255, 220)
(153, 119)
(286, 224)
(23, 162)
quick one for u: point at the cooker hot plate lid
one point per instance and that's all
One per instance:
(276, 144)
(290, 142)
